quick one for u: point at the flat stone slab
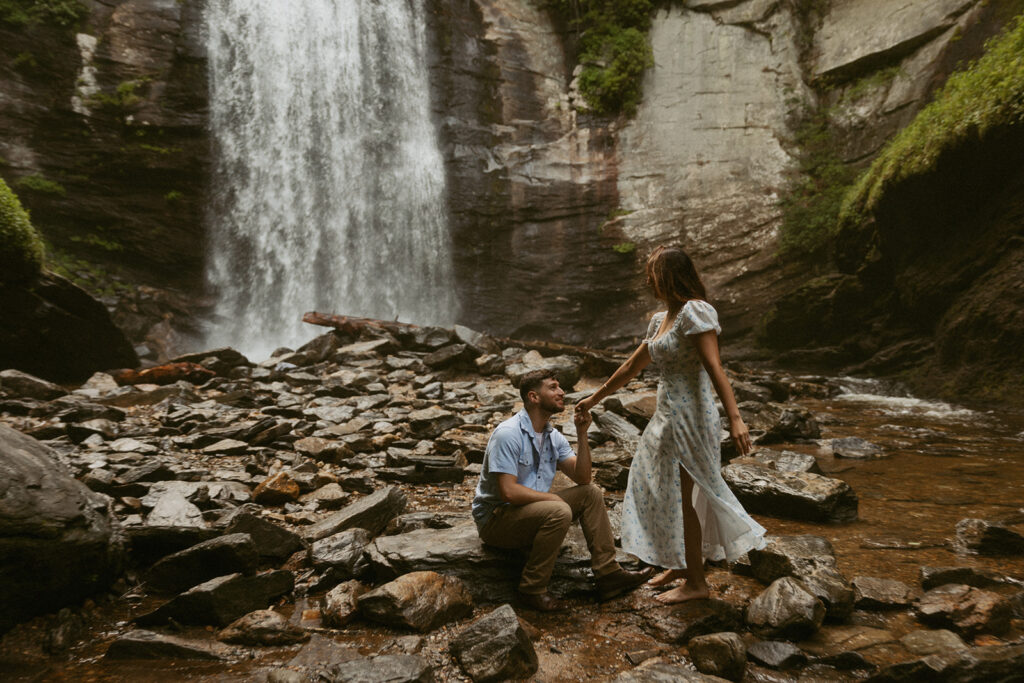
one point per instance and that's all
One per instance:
(372, 512)
(222, 600)
(141, 644)
(803, 496)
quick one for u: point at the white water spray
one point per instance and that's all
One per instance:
(328, 183)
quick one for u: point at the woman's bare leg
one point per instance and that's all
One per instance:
(696, 586)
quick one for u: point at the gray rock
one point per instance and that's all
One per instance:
(490, 573)
(656, 671)
(342, 553)
(932, 577)
(234, 553)
(341, 603)
(637, 407)
(321, 654)
(781, 461)
(797, 495)
(810, 559)
(431, 422)
(777, 654)
(141, 644)
(856, 448)
(271, 540)
(18, 383)
(479, 341)
(681, 623)
(620, 429)
(490, 364)
(495, 647)
(719, 654)
(927, 642)
(873, 593)
(60, 541)
(372, 512)
(785, 610)
(385, 669)
(983, 537)
(981, 664)
(420, 600)
(222, 600)
(567, 368)
(966, 610)
(450, 355)
(262, 627)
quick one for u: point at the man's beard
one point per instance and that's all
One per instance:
(551, 406)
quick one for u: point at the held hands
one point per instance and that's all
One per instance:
(585, 405)
(740, 435)
(582, 418)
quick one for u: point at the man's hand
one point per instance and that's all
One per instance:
(582, 419)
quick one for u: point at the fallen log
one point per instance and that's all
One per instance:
(352, 325)
(169, 373)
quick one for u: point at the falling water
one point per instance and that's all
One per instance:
(329, 185)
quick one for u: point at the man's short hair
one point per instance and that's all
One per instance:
(533, 380)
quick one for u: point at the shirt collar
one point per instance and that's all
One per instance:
(526, 424)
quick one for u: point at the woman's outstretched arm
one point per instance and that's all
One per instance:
(707, 348)
(627, 371)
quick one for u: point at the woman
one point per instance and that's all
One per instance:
(678, 510)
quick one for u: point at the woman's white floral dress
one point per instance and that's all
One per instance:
(684, 431)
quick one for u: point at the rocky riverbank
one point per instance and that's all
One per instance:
(307, 516)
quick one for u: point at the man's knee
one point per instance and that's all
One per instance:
(557, 513)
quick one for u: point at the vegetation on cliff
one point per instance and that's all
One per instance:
(21, 249)
(613, 50)
(989, 93)
(64, 13)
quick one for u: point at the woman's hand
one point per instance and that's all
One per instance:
(582, 420)
(740, 435)
(585, 405)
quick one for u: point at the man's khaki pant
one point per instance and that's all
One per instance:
(542, 526)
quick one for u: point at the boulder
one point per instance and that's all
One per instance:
(421, 601)
(786, 610)
(490, 573)
(60, 540)
(660, 671)
(222, 600)
(495, 647)
(929, 642)
(798, 495)
(262, 627)
(341, 554)
(983, 537)
(234, 553)
(620, 429)
(636, 407)
(682, 622)
(22, 384)
(719, 654)
(450, 355)
(139, 644)
(933, 577)
(372, 512)
(879, 594)
(810, 559)
(964, 609)
(781, 461)
(567, 368)
(271, 540)
(431, 422)
(54, 330)
(341, 603)
(981, 664)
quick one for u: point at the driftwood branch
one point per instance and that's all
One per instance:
(353, 326)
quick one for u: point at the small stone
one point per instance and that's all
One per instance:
(856, 448)
(420, 600)
(926, 642)
(786, 610)
(966, 610)
(495, 647)
(279, 489)
(878, 594)
(385, 669)
(719, 654)
(777, 654)
(982, 537)
(262, 627)
(341, 603)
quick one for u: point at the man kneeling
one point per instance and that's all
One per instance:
(513, 507)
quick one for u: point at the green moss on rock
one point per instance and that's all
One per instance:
(63, 13)
(21, 249)
(989, 93)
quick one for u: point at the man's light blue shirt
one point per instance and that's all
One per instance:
(514, 448)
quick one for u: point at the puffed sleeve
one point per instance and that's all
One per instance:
(697, 317)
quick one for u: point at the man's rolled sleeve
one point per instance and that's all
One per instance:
(503, 452)
(562, 447)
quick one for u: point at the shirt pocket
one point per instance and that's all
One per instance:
(525, 467)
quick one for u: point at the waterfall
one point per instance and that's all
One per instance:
(329, 185)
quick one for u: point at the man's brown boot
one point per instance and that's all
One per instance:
(621, 581)
(542, 602)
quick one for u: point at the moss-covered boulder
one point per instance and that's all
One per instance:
(21, 249)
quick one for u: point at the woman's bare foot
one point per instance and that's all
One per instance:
(683, 593)
(666, 577)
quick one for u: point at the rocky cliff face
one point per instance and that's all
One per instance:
(553, 209)
(104, 141)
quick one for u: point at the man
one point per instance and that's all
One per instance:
(514, 508)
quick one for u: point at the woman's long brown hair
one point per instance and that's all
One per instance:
(672, 275)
